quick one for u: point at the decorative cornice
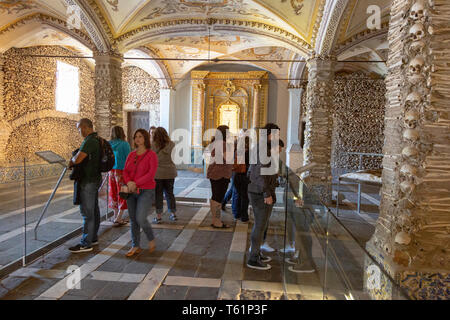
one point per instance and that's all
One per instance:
(106, 27)
(256, 27)
(317, 24)
(361, 37)
(330, 25)
(54, 22)
(96, 33)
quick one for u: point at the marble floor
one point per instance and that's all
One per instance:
(192, 261)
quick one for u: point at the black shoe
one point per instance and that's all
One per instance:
(258, 265)
(80, 249)
(224, 206)
(94, 243)
(264, 258)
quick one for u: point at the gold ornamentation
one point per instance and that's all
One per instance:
(114, 4)
(16, 6)
(297, 5)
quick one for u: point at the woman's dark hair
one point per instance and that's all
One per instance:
(146, 136)
(270, 127)
(223, 130)
(160, 138)
(117, 133)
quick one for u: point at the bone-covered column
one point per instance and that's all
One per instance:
(108, 92)
(412, 234)
(4, 132)
(319, 121)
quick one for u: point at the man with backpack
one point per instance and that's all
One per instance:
(89, 184)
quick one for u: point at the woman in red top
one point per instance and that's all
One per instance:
(139, 175)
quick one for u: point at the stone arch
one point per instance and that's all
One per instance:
(156, 68)
(28, 26)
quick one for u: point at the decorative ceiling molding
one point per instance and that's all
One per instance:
(89, 18)
(361, 37)
(55, 23)
(144, 34)
(334, 11)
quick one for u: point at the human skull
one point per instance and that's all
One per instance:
(411, 118)
(411, 134)
(410, 152)
(417, 31)
(417, 11)
(417, 46)
(402, 238)
(414, 98)
(407, 187)
(408, 170)
(416, 65)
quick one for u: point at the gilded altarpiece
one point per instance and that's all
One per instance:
(236, 99)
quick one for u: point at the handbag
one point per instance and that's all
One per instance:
(126, 195)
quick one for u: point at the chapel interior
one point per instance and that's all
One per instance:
(359, 89)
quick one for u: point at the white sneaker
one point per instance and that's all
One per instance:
(267, 248)
(288, 249)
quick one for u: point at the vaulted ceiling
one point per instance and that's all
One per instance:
(199, 29)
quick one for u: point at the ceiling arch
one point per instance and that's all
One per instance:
(35, 28)
(154, 68)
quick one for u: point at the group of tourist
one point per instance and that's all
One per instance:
(142, 177)
(138, 179)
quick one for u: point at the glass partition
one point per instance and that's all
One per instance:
(328, 263)
(29, 199)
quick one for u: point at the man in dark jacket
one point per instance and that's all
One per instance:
(261, 192)
(89, 184)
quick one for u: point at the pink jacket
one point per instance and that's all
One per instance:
(144, 174)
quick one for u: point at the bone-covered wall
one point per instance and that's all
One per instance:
(141, 93)
(33, 124)
(358, 120)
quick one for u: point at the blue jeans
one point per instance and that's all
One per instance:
(164, 187)
(139, 206)
(90, 212)
(232, 193)
(261, 212)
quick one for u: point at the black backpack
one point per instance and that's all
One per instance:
(107, 159)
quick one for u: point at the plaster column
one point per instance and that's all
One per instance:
(108, 93)
(198, 114)
(412, 233)
(319, 125)
(167, 108)
(294, 154)
(256, 109)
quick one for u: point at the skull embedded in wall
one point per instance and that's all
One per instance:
(416, 65)
(407, 187)
(411, 134)
(408, 170)
(414, 98)
(417, 11)
(417, 31)
(417, 46)
(410, 152)
(402, 238)
(411, 118)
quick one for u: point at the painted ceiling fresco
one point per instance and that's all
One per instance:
(119, 18)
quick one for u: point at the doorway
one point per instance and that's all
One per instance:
(137, 120)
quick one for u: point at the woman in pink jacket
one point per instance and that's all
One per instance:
(139, 176)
